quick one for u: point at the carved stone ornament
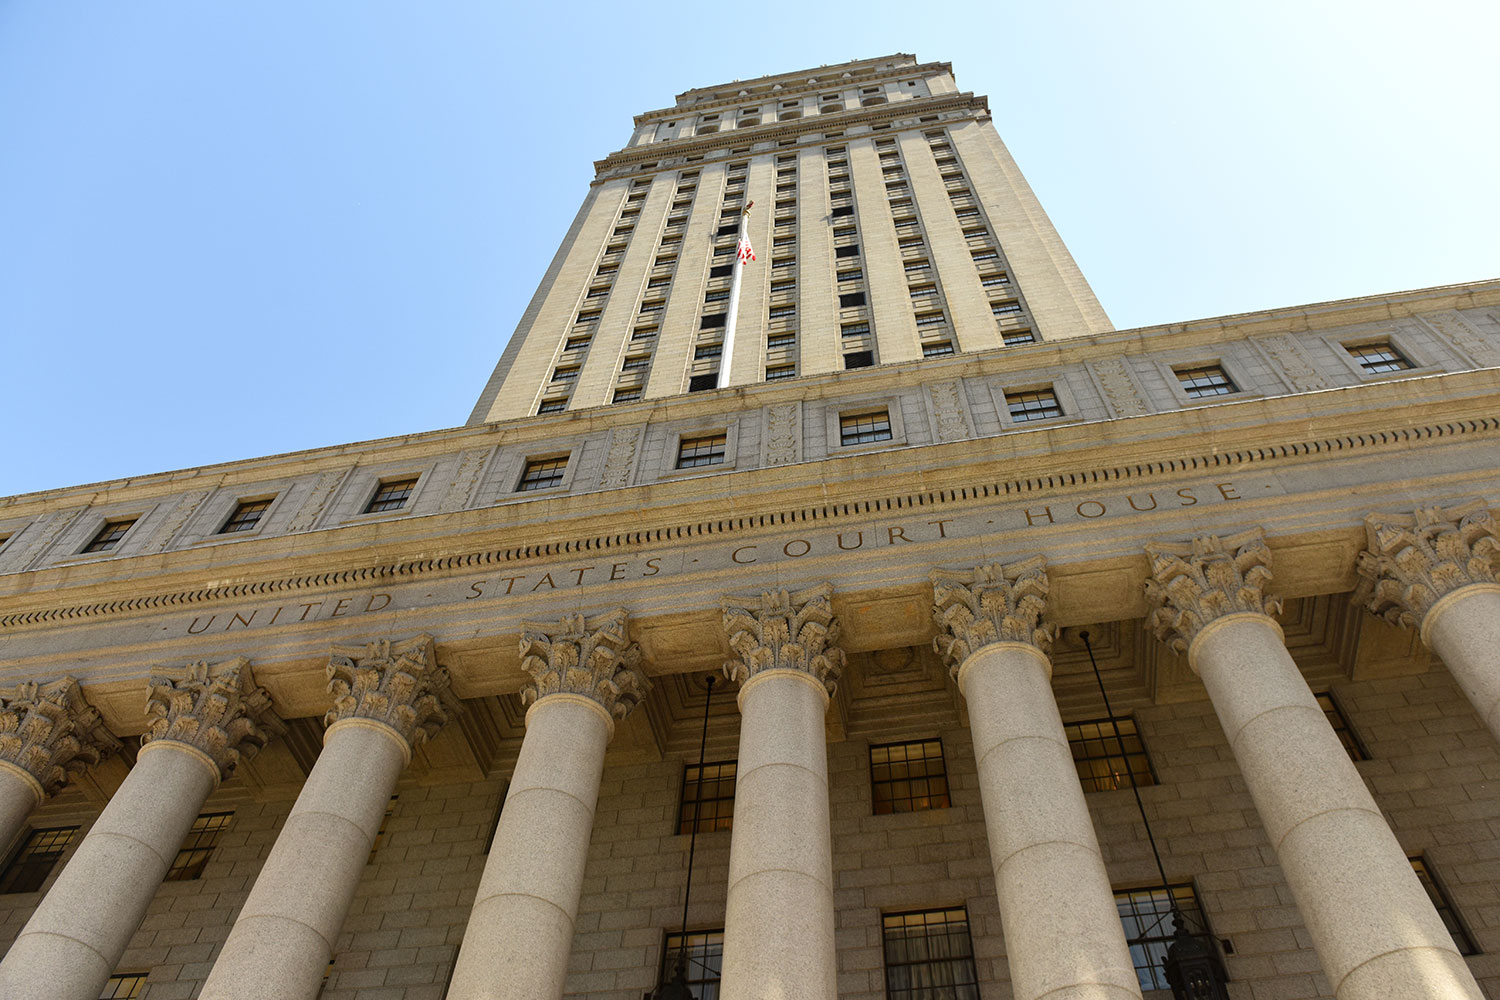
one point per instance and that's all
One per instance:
(1194, 583)
(592, 657)
(398, 684)
(49, 731)
(1413, 560)
(215, 708)
(991, 604)
(784, 631)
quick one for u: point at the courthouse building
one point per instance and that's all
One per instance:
(260, 718)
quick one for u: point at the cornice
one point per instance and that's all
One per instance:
(868, 70)
(1375, 441)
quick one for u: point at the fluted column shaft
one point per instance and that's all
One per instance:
(1463, 629)
(74, 940)
(1063, 936)
(778, 919)
(1371, 921)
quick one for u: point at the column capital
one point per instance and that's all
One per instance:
(591, 657)
(993, 603)
(51, 733)
(397, 684)
(783, 630)
(1412, 561)
(1196, 582)
(216, 709)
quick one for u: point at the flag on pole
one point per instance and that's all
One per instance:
(746, 253)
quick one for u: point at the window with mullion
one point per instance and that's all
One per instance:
(109, 536)
(542, 473)
(1205, 380)
(125, 986)
(908, 777)
(1033, 404)
(707, 797)
(929, 956)
(246, 516)
(1107, 752)
(864, 428)
(1379, 357)
(704, 955)
(1149, 923)
(38, 855)
(707, 449)
(391, 496)
(198, 847)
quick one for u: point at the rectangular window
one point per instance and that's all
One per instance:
(703, 954)
(107, 537)
(704, 382)
(728, 230)
(577, 343)
(781, 287)
(713, 321)
(937, 350)
(775, 372)
(781, 262)
(781, 312)
(1379, 357)
(246, 516)
(719, 295)
(929, 319)
(849, 251)
(707, 449)
(908, 777)
(1341, 726)
(542, 474)
(859, 359)
(854, 330)
(639, 363)
(707, 797)
(862, 428)
(708, 351)
(1444, 907)
(721, 270)
(916, 265)
(781, 340)
(1205, 380)
(1033, 404)
(38, 855)
(1015, 338)
(627, 395)
(922, 291)
(1003, 309)
(391, 496)
(198, 847)
(1105, 761)
(854, 275)
(995, 280)
(851, 299)
(842, 211)
(125, 986)
(1147, 917)
(985, 255)
(565, 373)
(644, 333)
(551, 406)
(929, 956)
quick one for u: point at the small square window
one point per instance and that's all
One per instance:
(1341, 726)
(703, 958)
(542, 474)
(707, 449)
(707, 797)
(1444, 907)
(1107, 752)
(1149, 922)
(125, 986)
(1033, 404)
(863, 428)
(551, 406)
(38, 855)
(1379, 357)
(246, 516)
(1205, 380)
(929, 955)
(908, 777)
(391, 496)
(198, 847)
(109, 535)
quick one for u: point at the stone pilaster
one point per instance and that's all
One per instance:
(1412, 561)
(588, 657)
(784, 631)
(991, 604)
(1195, 583)
(215, 709)
(52, 734)
(398, 685)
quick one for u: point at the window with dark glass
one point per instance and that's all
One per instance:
(542, 473)
(107, 537)
(125, 986)
(246, 516)
(1033, 404)
(1149, 924)
(637, 363)
(1341, 726)
(552, 406)
(1205, 380)
(706, 449)
(721, 271)
(1379, 357)
(863, 428)
(1440, 902)
(853, 275)
(859, 359)
(929, 319)
(198, 847)
(849, 251)
(703, 954)
(1105, 760)
(713, 321)
(908, 777)
(781, 312)
(704, 382)
(391, 496)
(707, 797)
(35, 859)
(929, 956)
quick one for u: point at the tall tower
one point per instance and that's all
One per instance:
(889, 220)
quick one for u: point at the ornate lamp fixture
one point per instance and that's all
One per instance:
(1192, 968)
(676, 987)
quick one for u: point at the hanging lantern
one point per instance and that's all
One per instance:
(1193, 970)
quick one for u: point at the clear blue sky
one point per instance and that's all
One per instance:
(238, 229)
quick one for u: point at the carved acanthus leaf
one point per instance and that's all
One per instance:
(784, 631)
(51, 732)
(1412, 560)
(991, 604)
(1193, 583)
(397, 683)
(216, 708)
(593, 657)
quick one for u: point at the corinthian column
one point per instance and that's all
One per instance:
(585, 675)
(202, 718)
(1371, 922)
(388, 697)
(1063, 937)
(778, 920)
(1435, 569)
(48, 734)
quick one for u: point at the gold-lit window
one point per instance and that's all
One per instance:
(1107, 752)
(707, 797)
(703, 954)
(246, 516)
(391, 496)
(908, 777)
(109, 536)
(40, 853)
(125, 986)
(198, 847)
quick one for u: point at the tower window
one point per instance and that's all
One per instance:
(38, 855)
(1149, 925)
(1015, 338)
(850, 299)
(849, 251)
(774, 372)
(937, 350)
(706, 449)
(908, 777)
(704, 382)
(707, 797)
(781, 340)
(1205, 380)
(109, 535)
(1033, 404)
(864, 428)
(859, 359)
(551, 406)
(627, 395)
(542, 474)
(928, 955)
(1379, 357)
(391, 496)
(246, 516)
(1106, 761)
(565, 373)
(713, 321)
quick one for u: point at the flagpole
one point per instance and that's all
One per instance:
(727, 354)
